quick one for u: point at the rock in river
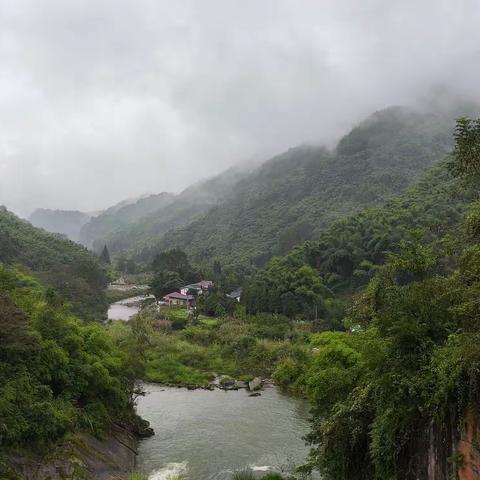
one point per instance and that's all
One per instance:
(255, 384)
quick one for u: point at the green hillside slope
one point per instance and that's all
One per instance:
(60, 263)
(347, 255)
(192, 203)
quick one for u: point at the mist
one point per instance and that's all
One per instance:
(101, 101)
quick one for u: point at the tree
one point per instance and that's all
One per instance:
(105, 256)
(466, 155)
(175, 260)
(165, 282)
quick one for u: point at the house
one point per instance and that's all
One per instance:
(236, 294)
(176, 298)
(200, 287)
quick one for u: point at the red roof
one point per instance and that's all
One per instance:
(179, 296)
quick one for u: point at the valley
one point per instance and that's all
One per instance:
(286, 362)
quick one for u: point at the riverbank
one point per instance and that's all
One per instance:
(82, 456)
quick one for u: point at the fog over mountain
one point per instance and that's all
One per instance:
(101, 101)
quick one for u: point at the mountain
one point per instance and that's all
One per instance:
(348, 254)
(58, 262)
(296, 195)
(195, 201)
(65, 222)
(121, 215)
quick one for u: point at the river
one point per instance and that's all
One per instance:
(124, 309)
(206, 435)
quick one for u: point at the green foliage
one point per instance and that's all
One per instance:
(59, 263)
(164, 282)
(350, 252)
(413, 360)
(57, 374)
(235, 346)
(466, 159)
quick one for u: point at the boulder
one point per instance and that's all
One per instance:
(255, 384)
(240, 384)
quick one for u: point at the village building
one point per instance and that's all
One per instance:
(176, 298)
(200, 287)
(236, 294)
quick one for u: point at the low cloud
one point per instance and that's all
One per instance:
(101, 101)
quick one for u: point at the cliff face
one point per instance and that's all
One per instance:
(448, 450)
(468, 449)
(81, 457)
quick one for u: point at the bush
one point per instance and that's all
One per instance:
(287, 372)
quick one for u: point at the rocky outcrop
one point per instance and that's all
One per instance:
(444, 449)
(82, 457)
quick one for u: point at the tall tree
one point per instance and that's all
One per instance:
(105, 256)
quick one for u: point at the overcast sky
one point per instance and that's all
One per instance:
(102, 100)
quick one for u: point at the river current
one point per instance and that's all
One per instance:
(207, 435)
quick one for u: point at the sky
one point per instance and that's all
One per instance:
(102, 100)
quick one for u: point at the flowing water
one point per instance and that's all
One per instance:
(124, 309)
(206, 435)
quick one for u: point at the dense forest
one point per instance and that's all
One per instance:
(347, 255)
(59, 263)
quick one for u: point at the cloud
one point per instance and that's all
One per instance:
(104, 100)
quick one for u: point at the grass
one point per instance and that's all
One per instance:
(137, 476)
(249, 475)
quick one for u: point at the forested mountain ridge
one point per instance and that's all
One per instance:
(120, 215)
(190, 204)
(292, 197)
(58, 262)
(65, 222)
(348, 253)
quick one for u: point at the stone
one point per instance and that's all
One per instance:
(255, 384)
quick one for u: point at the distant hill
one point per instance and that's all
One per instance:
(143, 233)
(66, 222)
(58, 262)
(294, 196)
(121, 215)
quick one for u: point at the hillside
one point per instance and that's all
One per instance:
(294, 196)
(65, 222)
(348, 253)
(120, 215)
(60, 263)
(190, 204)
